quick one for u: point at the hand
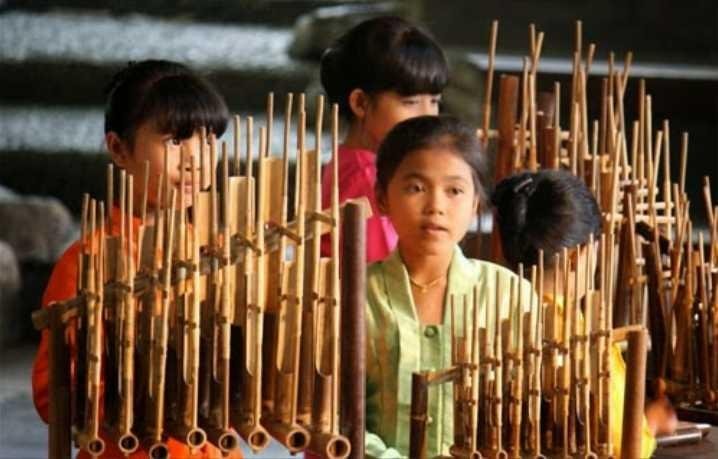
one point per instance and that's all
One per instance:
(661, 417)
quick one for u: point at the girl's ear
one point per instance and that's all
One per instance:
(380, 199)
(116, 147)
(358, 102)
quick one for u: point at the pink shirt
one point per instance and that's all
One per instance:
(357, 176)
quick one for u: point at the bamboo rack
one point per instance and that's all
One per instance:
(170, 312)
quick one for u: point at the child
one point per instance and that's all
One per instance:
(549, 211)
(150, 105)
(430, 176)
(381, 72)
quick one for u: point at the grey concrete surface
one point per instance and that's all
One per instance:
(23, 435)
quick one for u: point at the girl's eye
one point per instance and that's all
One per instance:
(436, 100)
(414, 188)
(455, 191)
(176, 142)
(410, 101)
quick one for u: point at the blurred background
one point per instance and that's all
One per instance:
(57, 56)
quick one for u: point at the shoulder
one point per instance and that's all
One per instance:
(492, 272)
(62, 284)
(375, 283)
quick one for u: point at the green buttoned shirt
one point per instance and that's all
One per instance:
(398, 345)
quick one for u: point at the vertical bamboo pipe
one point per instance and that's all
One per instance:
(59, 445)
(634, 397)
(353, 334)
(419, 406)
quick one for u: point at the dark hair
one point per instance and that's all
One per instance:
(545, 210)
(176, 99)
(430, 131)
(381, 54)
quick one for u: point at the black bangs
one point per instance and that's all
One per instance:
(382, 54)
(417, 66)
(181, 105)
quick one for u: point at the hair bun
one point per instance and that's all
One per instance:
(526, 186)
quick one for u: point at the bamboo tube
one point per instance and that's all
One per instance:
(489, 81)
(419, 406)
(602, 147)
(534, 443)
(516, 376)
(270, 125)
(684, 160)
(556, 160)
(89, 439)
(250, 140)
(311, 279)
(584, 380)
(60, 416)
(237, 139)
(219, 431)
(325, 425)
(110, 198)
(506, 119)
(159, 349)
(249, 426)
(301, 130)
(81, 327)
(668, 211)
(574, 159)
(634, 398)
(353, 335)
(520, 159)
(604, 445)
(145, 185)
(283, 427)
(497, 437)
(565, 377)
(533, 154)
(707, 201)
(188, 429)
(127, 442)
(474, 362)
(680, 371)
(704, 369)
(551, 378)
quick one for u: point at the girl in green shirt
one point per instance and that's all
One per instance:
(430, 176)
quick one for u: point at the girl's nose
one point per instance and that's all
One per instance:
(436, 204)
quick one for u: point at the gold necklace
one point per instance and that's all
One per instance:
(423, 288)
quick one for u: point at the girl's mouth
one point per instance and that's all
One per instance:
(433, 228)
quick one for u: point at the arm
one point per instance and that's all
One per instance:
(61, 286)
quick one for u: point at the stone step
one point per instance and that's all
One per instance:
(59, 151)
(81, 130)
(276, 12)
(67, 58)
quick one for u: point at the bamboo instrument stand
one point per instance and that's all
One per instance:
(173, 310)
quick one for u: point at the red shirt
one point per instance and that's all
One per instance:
(357, 176)
(63, 286)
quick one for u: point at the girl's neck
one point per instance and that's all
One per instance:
(423, 268)
(357, 139)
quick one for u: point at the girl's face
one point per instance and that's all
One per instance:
(149, 146)
(378, 113)
(430, 200)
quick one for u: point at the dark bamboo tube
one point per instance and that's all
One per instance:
(353, 336)
(634, 397)
(419, 405)
(59, 407)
